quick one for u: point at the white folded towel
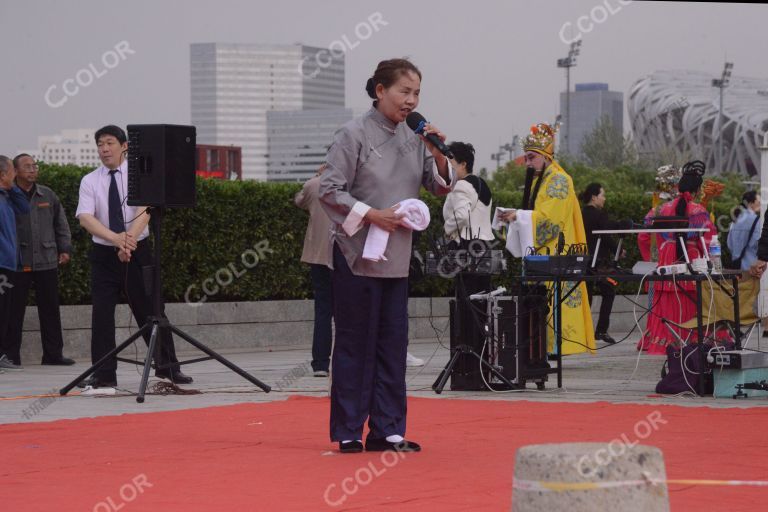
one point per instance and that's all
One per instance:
(416, 218)
(520, 234)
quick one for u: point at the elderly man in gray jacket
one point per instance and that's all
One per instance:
(44, 244)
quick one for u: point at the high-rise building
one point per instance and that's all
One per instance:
(590, 103)
(233, 86)
(298, 141)
(75, 147)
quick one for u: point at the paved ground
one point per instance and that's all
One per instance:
(616, 374)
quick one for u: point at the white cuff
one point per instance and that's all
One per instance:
(451, 175)
(354, 220)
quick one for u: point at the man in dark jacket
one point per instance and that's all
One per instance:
(12, 203)
(596, 218)
(45, 243)
(758, 267)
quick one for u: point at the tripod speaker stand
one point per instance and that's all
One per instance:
(158, 326)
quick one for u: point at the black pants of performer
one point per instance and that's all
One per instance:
(606, 304)
(371, 316)
(322, 336)
(7, 278)
(109, 279)
(46, 283)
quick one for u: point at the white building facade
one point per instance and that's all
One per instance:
(234, 86)
(73, 147)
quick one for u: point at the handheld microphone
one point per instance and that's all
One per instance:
(416, 122)
(482, 295)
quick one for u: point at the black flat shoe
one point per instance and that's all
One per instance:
(62, 361)
(95, 382)
(351, 447)
(176, 377)
(606, 338)
(382, 445)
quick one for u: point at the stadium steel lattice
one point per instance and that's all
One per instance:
(678, 111)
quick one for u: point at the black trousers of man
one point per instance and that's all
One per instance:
(606, 304)
(46, 283)
(7, 278)
(322, 337)
(109, 279)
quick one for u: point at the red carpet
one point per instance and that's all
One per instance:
(276, 456)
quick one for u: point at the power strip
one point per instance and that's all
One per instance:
(700, 265)
(665, 270)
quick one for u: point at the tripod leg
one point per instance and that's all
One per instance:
(98, 364)
(443, 377)
(493, 370)
(148, 362)
(247, 376)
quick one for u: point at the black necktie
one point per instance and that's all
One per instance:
(116, 221)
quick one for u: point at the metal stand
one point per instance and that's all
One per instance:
(439, 384)
(158, 325)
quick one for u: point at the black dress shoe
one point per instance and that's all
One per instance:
(605, 337)
(96, 382)
(351, 447)
(382, 445)
(61, 361)
(174, 376)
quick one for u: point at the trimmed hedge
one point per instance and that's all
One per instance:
(215, 244)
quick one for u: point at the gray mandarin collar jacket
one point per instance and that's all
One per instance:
(375, 163)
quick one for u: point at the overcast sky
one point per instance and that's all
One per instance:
(489, 66)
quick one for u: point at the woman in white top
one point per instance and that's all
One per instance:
(467, 215)
(467, 209)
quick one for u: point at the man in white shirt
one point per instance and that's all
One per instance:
(119, 252)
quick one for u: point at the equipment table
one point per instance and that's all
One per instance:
(559, 280)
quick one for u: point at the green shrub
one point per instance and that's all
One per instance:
(232, 217)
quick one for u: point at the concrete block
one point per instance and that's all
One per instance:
(539, 468)
(263, 311)
(425, 306)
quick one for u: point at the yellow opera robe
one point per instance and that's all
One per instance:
(557, 211)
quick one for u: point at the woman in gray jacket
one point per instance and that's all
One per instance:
(374, 163)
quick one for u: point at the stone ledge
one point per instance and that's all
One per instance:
(264, 324)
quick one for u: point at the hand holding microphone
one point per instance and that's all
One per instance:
(434, 138)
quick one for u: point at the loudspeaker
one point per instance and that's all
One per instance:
(518, 340)
(161, 165)
(520, 325)
(465, 331)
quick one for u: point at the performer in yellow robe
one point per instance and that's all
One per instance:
(550, 207)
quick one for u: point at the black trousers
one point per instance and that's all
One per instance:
(110, 278)
(371, 316)
(322, 336)
(46, 284)
(6, 291)
(606, 304)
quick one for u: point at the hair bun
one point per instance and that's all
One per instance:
(694, 168)
(370, 88)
